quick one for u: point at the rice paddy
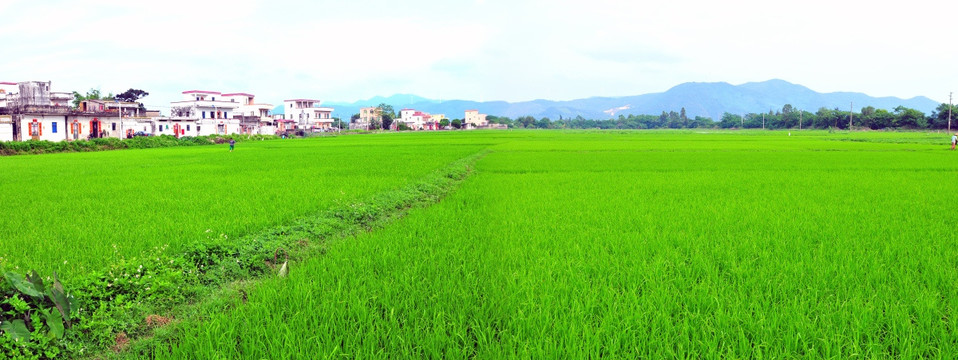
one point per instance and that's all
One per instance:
(632, 245)
(644, 244)
(75, 212)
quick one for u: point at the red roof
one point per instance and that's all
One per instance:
(419, 113)
(201, 92)
(234, 94)
(408, 110)
(7, 83)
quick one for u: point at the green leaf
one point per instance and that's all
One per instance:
(37, 281)
(22, 285)
(54, 321)
(60, 299)
(17, 330)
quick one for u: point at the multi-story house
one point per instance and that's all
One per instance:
(308, 114)
(418, 120)
(368, 118)
(254, 118)
(200, 113)
(474, 119)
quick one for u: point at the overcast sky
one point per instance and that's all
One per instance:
(510, 50)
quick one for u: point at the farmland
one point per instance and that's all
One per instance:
(557, 245)
(76, 212)
(631, 245)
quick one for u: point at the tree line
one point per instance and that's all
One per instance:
(786, 118)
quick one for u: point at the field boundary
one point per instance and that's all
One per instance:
(118, 309)
(13, 148)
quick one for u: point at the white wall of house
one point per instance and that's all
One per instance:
(218, 127)
(43, 127)
(473, 117)
(167, 126)
(6, 128)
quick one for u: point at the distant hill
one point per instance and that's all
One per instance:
(698, 99)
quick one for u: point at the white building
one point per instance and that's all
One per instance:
(418, 120)
(254, 118)
(308, 114)
(201, 113)
(474, 119)
(7, 89)
(30, 111)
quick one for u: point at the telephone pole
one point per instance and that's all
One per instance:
(800, 113)
(949, 111)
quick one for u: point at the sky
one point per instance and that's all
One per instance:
(512, 50)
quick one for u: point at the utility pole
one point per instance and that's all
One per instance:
(743, 121)
(949, 111)
(800, 113)
(763, 121)
(851, 113)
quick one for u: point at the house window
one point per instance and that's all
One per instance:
(114, 126)
(197, 128)
(214, 98)
(226, 115)
(204, 114)
(54, 127)
(187, 127)
(34, 129)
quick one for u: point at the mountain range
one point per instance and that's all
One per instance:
(698, 99)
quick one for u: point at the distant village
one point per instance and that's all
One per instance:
(32, 111)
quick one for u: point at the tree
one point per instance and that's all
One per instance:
(92, 94)
(131, 95)
(443, 123)
(353, 118)
(729, 121)
(881, 119)
(939, 117)
(910, 118)
(544, 123)
(456, 123)
(388, 114)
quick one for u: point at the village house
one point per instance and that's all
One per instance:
(418, 120)
(254, 118)
(308, 114)
(368, 117)
(200, 113)
(128, 118)
(474, 119)
(31, 111)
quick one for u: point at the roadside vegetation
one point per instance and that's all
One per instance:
(140, 142)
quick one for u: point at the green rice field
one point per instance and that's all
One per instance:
(74, 212)
(559, 244)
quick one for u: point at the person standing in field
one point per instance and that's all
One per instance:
(232, 143)
(954, 141)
